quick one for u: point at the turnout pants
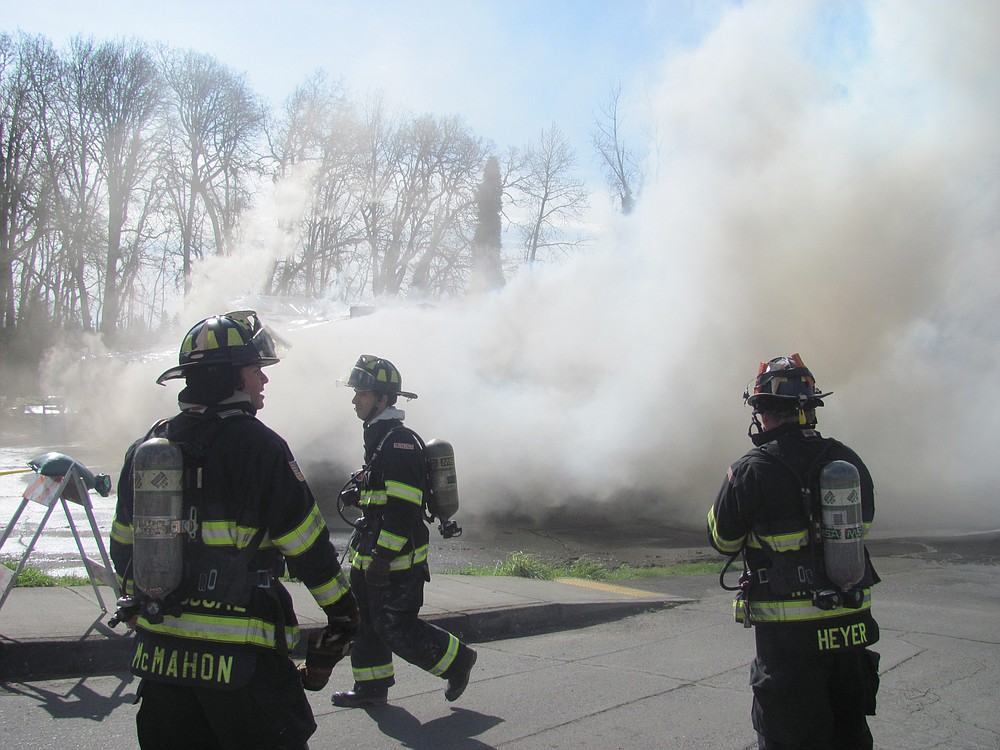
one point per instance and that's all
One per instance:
(390, 624)
(271, 711)
(813, 701)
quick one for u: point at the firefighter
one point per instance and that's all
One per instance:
(213, 655)
(388, 551)
(814, 678)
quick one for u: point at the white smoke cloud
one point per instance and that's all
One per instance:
(828, 185)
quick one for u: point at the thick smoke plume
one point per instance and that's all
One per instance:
(828, 185)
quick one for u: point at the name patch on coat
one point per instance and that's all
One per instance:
(405, 446)
(192, 666)
(832, 639)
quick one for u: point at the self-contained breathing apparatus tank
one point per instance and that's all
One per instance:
(442, 502)
(843, 525)
(159, 524)
(441, 492)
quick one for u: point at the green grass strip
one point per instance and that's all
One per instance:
(524, 565)
(32, 577)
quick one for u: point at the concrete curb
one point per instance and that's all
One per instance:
(106, 651)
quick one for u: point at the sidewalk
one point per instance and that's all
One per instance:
(57, 632)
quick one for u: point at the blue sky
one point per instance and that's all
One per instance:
(511, 68)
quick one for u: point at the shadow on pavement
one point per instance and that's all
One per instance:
(456, 731)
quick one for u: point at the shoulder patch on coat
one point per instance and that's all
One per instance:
(405, 446)
(296, 471)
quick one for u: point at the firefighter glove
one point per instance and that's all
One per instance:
(314, 678)
(351, 495)
(325, 649)
(377, 572)
(346, 625)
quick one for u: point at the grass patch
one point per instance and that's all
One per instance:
(523, 565)
(32, 577)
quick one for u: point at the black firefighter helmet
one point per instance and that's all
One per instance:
(371, 373)
(784, 383)
(235, 339)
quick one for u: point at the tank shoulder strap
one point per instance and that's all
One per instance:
(395, 430)
(810, 506)
(803, 479)
(427, 488)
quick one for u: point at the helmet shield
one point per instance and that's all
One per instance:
(261, 339)
(236, 339)
(371, 373)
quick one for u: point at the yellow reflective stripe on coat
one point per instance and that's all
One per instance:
(448, 659)
(391, 541)
(405, 492)
(372, 497)
(121, 532)
(229, 534)
(404, 562)
(125, 586)
(727, 546)
(222, 629)
(301, 538)
(799, 610)
(794, 540)
(331, 591)
(367, 674)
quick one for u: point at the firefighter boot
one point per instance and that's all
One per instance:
(458, 681)
(361, 697)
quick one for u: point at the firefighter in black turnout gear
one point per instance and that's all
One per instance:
(388, 551)
(213, 654)
(814, 677)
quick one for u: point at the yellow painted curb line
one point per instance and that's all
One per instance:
(608, 587)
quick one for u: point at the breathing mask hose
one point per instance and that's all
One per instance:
(350, 494)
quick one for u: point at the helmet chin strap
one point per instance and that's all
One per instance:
(376, 409)
(762, 436)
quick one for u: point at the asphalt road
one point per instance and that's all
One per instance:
(676, 678)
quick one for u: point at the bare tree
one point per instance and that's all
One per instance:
(23, 204)
(315, 144)
(619, 164)
(127, 99)
(446, 168)
(549, 196)
(216, 121)
(74, 159)
(391, 199)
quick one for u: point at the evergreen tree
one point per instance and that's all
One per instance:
(487, 269)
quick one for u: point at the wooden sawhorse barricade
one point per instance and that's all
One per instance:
(48, 491)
